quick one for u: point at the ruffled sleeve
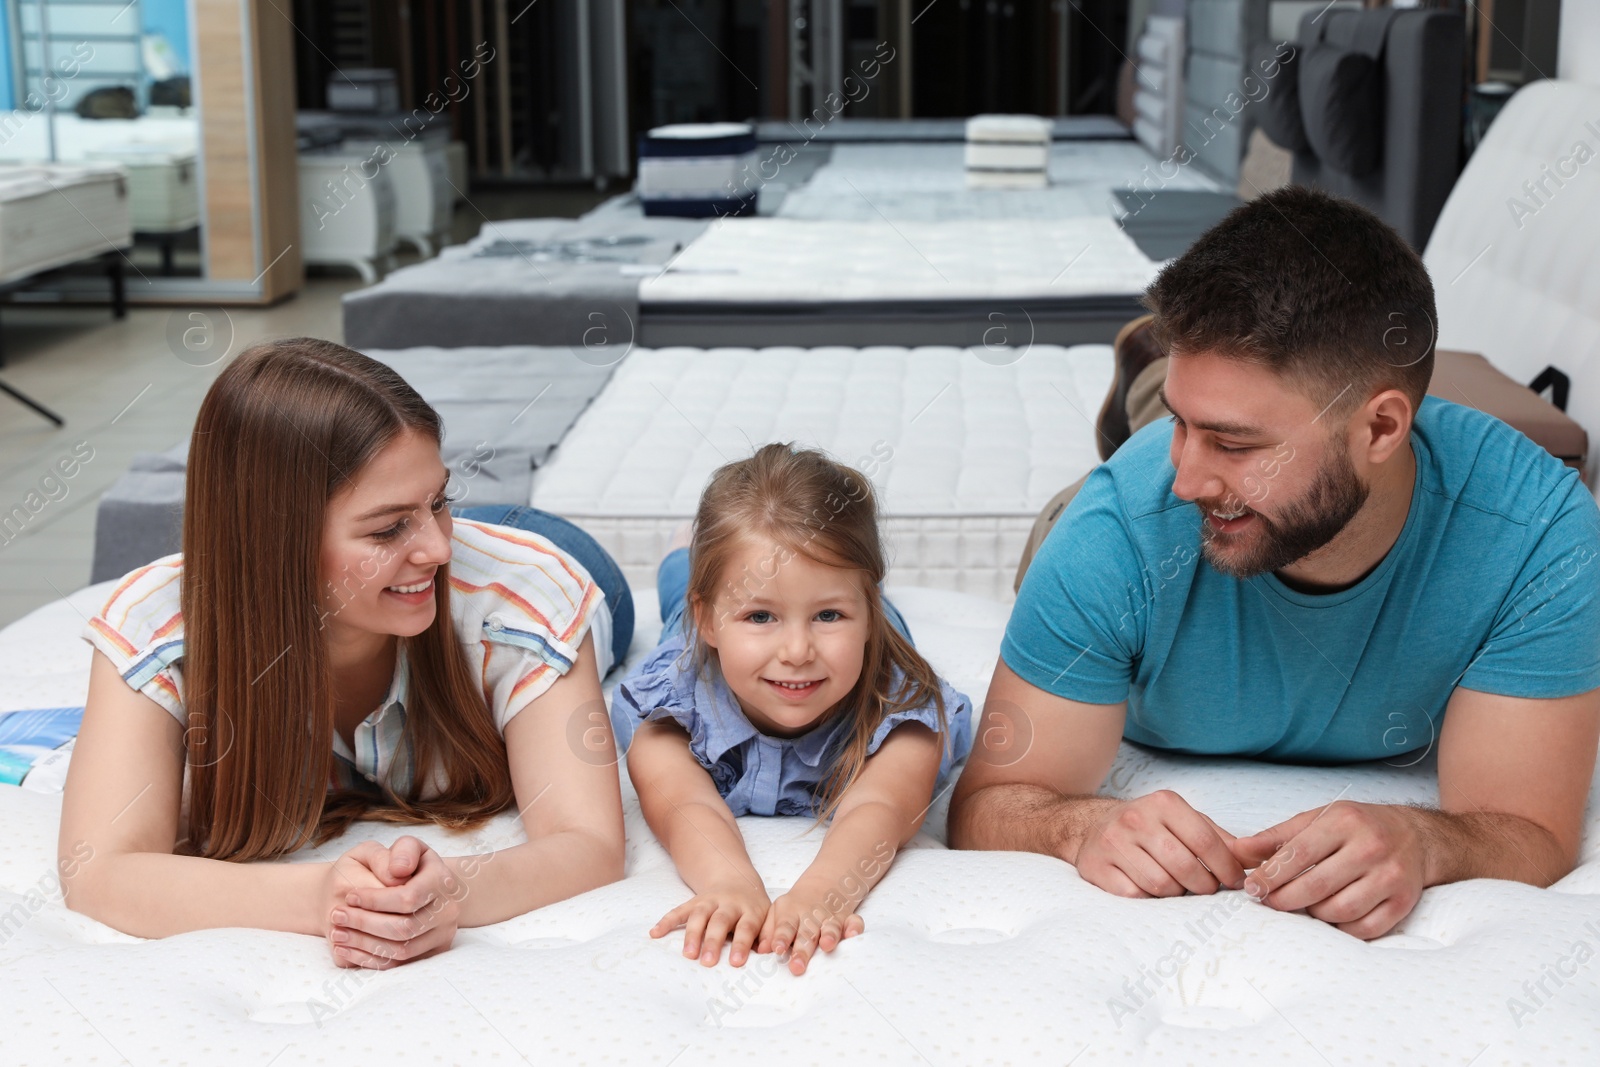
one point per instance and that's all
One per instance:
(140, 630)
(660, 689)
(958, 726)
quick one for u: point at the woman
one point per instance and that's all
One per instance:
(331, 645)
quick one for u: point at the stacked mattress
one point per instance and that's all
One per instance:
(1008, 152)
(1158, 92)
(52, 214)
(965, 446)
(967, 957)
(698, 170)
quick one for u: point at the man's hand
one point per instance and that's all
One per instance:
(1361, 867)
(1158, 846)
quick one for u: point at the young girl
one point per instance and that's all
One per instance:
(785, 684)
(332, 646)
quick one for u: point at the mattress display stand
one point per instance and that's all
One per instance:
(119, 310)
(165, 239)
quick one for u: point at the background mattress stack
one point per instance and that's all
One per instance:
(58, 213)
(1158, 93)
(1008, 152)
(163, 193)
(698, 170)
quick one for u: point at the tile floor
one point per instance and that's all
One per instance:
(121, 390)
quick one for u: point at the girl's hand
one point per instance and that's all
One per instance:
(711, 917)
(411, 914)
(801, 921)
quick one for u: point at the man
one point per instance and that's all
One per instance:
(1308, 562)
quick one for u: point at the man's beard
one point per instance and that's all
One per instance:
(1302, 527)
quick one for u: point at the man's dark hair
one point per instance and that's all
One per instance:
(1318, 288)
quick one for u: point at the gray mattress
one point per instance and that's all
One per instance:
(467, 297)
(570, 282)
(520, 399)
(504, 410)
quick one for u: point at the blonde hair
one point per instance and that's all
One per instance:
(282, 429)
(808, 504)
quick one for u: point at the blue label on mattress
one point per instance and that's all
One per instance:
(40, 727)
(29, 735)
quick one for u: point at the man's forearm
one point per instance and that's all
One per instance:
(1026, 818)
(1461, 845)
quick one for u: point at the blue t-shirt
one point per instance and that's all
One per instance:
(757, 774)
(1491, 585)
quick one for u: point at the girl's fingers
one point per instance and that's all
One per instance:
(854, 925)
(672, 919)
(830, 936)
(783, 936)
(694, 930)
(805, 943)
(716, 933)
(744, 936)
(768, 925)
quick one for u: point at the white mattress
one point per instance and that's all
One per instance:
(1515, 273)
(977, 449)
(56, 213)
(163, 185)
(927, 183)
(967, 957)
(782, 261)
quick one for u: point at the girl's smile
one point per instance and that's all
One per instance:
(790, 636)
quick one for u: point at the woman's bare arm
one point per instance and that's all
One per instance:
(119, 825)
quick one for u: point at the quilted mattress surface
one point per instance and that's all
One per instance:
(786, 261)
(963, 447)
(967, 957)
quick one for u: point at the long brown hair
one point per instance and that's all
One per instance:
(804, 502)
(281, 430)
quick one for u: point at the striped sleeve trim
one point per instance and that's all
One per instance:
(532, 604)
(140, 630)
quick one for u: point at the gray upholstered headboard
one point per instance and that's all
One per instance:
(1423, 85)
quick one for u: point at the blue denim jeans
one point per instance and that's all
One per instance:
(580, 546)
(672, 588)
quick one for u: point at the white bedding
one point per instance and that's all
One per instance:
(968, 957)
(784, 261)
(965, 452)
